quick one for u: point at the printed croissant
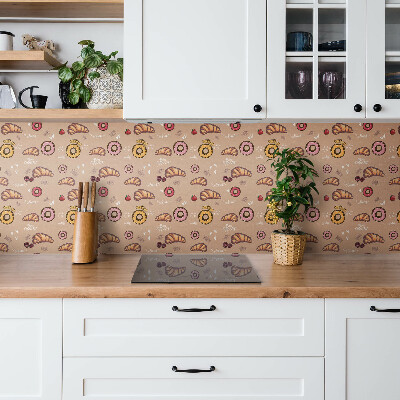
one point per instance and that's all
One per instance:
(67, 181)
(32, 217)
(10, 128)
(133, 181)
(362, 151)
(341, 194)
(143, 128)
(174, 171)
(331, 181)
(31, 151)
(331, 247)
(199, 181)
(98, 151)
(199, 247)
(363, 217)
(373, 238)
(373, 171)
(209, 194)
(108, 171)
(239, 272)
(240, 171)
(174, 238)
(72, 194)
(232, 217)
(395, 247)
(10, 194)
(133, 247)
(3, 247)
(230, 151)
(41, 171)
(108, 238)
(142, 194)
(65, 247)
(394, 181)
(3, 181)
(164, 217)
(172, 272)
(199, 262)
(275, 128)
(341, 128)
(311, 238)
(298, 150)
(164, 151)
(77, 128)
(265, 181)
(209, 128)
(265, 247)
(42, 238)
(240, 238)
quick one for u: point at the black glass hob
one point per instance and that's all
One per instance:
(189, 268)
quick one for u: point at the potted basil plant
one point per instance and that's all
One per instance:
(94, 80)
(294, 189)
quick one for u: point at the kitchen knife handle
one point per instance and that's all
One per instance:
(389, 310)
(175, 308)
(80, 192)
(193, 371)
(93, 196)
(86, 195)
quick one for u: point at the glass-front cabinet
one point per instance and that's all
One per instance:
(316, 58)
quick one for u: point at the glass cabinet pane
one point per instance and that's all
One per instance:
(392, 47)
(331, 29)
(299, 79)
(331, 78)
(299, 29)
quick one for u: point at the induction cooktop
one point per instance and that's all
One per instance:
(189, 268)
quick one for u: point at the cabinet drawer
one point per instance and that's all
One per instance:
(150, 327)
(152, 378)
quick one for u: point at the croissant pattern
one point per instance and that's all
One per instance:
(133, 247)
(341, 128)
(77, 128)
(331, 181)
(299, 150)
(240, 238)
(42, 238)
(275, 128)
(173, 272)
(393, 247)
(231, 217)
(164, 151)
(199, 181)
(4, 247)
(108, 238)
(174, 238)
(174, 171)
(10, 194)
(265, 181)
(165, 217)
(133, 181)
(362, 151)
(341, 194)
(201, 247)
(394, 181)
(199, 262)
(73, 195)
(267, 247)
(230, 151)
(209, 194)
(3, 181)
(373, 171)
(65, 247)
(41, 171)
(142, 194)
(311, 238)
(373, 238)
(108, 171)
(209, 128)
(240, 171)
(98, 151)
(239, 272)
(32, 217)
(67, 181)
(363, 217)
(143, 128)
(331, 247)
(10, 128)
(31, 151)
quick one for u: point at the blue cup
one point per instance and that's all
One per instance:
(299, 41)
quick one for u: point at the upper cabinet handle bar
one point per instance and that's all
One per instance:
(193, 371)
(393, 310)
(175, 308)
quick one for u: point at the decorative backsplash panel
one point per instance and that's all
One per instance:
(195, 188)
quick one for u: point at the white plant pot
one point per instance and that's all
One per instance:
(106, 90)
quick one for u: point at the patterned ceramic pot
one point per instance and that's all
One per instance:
(106, 90)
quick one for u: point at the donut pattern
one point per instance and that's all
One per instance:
(197, 188)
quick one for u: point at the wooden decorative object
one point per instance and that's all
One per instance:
(288, 249)
(34, 44)
(84, 249)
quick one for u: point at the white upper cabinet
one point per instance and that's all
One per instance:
(195, 59)
(383, 59)
(316, 59)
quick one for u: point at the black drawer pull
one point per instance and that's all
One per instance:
(393, 310)
(175, 308)
(193, 371)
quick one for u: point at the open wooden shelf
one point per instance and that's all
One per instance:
(27, 60)
(62, 9)
(39, 115)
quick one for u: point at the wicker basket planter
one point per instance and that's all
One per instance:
(288, 249)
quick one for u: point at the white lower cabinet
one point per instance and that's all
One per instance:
(153, 378)
(30, 349)
(362, 349)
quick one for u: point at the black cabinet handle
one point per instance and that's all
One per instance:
(377, 107)
(391, 310)
(175, 308)
(358, 108)
(257, 108)
(193, 371)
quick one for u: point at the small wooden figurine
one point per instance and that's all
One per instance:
(34, 44)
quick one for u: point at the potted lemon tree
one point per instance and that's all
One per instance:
(294, 189)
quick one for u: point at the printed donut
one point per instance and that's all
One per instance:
(48, 148)
(327, 169)
(139, 216)
(235, 126)
(195, 235)
(36, 191)
(378, 148)
(206, 149)
(139, 150)
(206, 216)
(103, 191)
(235, 191)
(47, 214)
(368, 191)
(270, 217)
(71, 214)
(312, 214)
(393, 169)
(73, 150)
(378, 214)
(114, 214)
(261, 168)
(103, 126)
(246, 148)
(194, 169)
(36, 126)
(271, 147)
(246, 214)
(169, 127)
(301, 126)
(114, 148)
(7, 148)
(312, 148)
(261, 235)
(62, 235)
(180, 148)
(128, 235)
(62, 169)
(338, 215)
(169, 191)
(7, 215)
(393, 235)
(327, 235)
(367, 126)
(180, 214)
(338, 150)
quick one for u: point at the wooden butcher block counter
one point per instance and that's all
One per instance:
(320, 276)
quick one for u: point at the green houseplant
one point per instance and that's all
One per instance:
(84, 78)
(294, 189)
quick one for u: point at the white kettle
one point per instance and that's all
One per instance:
(7, 97)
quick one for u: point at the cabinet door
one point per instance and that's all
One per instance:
(30, 349)
(383, 59)
(316, 59)
(194, 59)
(362, 350)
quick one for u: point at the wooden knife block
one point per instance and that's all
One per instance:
(84, 249)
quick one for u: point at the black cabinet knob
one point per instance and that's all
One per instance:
(257, 108)
(377, 107)
(358, 108)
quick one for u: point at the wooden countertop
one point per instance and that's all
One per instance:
(323, 276)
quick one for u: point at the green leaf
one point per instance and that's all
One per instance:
(84, 93)
(86, 52)
(114, 67)
(113, 54)
(93, 75)
(77, 66)
(86, 43)
(73, 98)
(76, 84)
(79, 74)
(93, 61)
(65, 74)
